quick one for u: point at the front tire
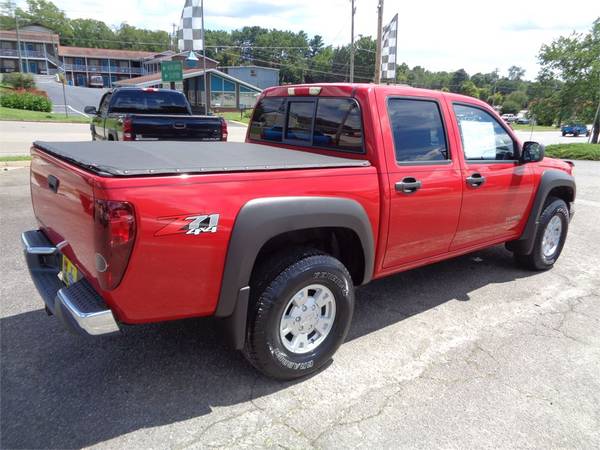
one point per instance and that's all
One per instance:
(299, 316)
(550, 237)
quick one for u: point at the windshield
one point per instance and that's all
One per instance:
(150, 102)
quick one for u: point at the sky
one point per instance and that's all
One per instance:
(478, 36)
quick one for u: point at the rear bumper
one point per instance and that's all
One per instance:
(79, 307)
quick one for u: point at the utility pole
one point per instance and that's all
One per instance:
(174, 38)
(21, 67)
(379, 37)
(204, 62)
(352, 49)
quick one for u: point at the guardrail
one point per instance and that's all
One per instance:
(103, 69)
(24, 53)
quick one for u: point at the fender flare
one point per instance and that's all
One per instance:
(259, 220)
(550, 179)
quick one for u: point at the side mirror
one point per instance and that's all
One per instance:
(91, 110)
(532, 152)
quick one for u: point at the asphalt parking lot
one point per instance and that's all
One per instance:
(467, 353)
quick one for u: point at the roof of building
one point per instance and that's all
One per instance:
(250, 67)
(30, 36)
(169, 54)
(103, 53)
(155, 78)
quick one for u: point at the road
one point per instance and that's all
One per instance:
(468, 353)
(77, 97)
(16, 137)
(550, 137)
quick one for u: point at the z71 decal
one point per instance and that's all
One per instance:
(193, 225)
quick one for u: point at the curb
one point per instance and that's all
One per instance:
(5, 164)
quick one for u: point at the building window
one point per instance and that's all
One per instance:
(247, 97)
(222, 92)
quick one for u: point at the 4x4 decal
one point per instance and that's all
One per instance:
(189, 224)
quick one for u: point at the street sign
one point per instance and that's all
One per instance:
(171, 71)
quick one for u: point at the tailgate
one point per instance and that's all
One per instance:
(63, 203)
(176, 128)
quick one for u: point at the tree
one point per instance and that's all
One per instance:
(515, 73)
(575, 60)
(316, 45)
(469, 88)
(457, 80)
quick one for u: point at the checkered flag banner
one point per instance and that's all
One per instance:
(190, 35)
(389, 50)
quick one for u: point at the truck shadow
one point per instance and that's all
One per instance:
(61, 391)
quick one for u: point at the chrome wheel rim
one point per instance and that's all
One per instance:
(307, 319)
(552, 235)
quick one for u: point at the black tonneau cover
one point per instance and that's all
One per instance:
(124, 159)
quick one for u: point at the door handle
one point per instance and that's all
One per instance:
(476, 180)
(408, 185)
(53, 183)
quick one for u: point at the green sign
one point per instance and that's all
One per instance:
(171, 71)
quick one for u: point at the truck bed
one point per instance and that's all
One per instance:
(126, 159)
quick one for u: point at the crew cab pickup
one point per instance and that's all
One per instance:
(135, 114)
(336, 185)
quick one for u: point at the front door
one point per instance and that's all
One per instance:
(425, 182)
(497, 188)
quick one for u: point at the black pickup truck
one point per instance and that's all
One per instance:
(136, 114)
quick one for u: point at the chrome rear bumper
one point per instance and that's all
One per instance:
(79, 307)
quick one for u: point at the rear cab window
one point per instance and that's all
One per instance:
(149, 102)
(325, 123)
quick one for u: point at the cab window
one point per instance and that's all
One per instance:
(482, 136)
(418, 131)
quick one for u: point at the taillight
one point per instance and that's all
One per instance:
(114, 235)
(224, 131)
(127, 129)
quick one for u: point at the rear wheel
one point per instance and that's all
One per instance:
(299, 315)
(550, 237)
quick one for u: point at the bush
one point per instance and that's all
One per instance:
(25, 100)
(574, 151)
(18, 80)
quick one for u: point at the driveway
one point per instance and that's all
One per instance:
(468, 353)
(77, 97)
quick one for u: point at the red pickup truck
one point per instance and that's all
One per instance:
(336, 185)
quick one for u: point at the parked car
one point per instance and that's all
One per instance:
(337, 185)
(96, 81)
(136, 114)
(575, 129)
(523, 121)
(509, 118)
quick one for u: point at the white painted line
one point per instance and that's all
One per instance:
(72, 109)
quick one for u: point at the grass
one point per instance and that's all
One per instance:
(236, 116)
(589, 152)
(14, 158)
(519, 127)
(22, 115)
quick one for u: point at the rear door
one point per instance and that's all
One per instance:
(425, 182)
(497, 188)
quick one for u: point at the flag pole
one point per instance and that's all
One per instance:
(379, 37)
(204, 61)
(352, 44)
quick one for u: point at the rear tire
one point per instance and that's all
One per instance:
(550, 237)
(299, 314)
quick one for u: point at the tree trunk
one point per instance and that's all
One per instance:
(596, 127)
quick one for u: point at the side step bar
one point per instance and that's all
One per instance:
(79, 307)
